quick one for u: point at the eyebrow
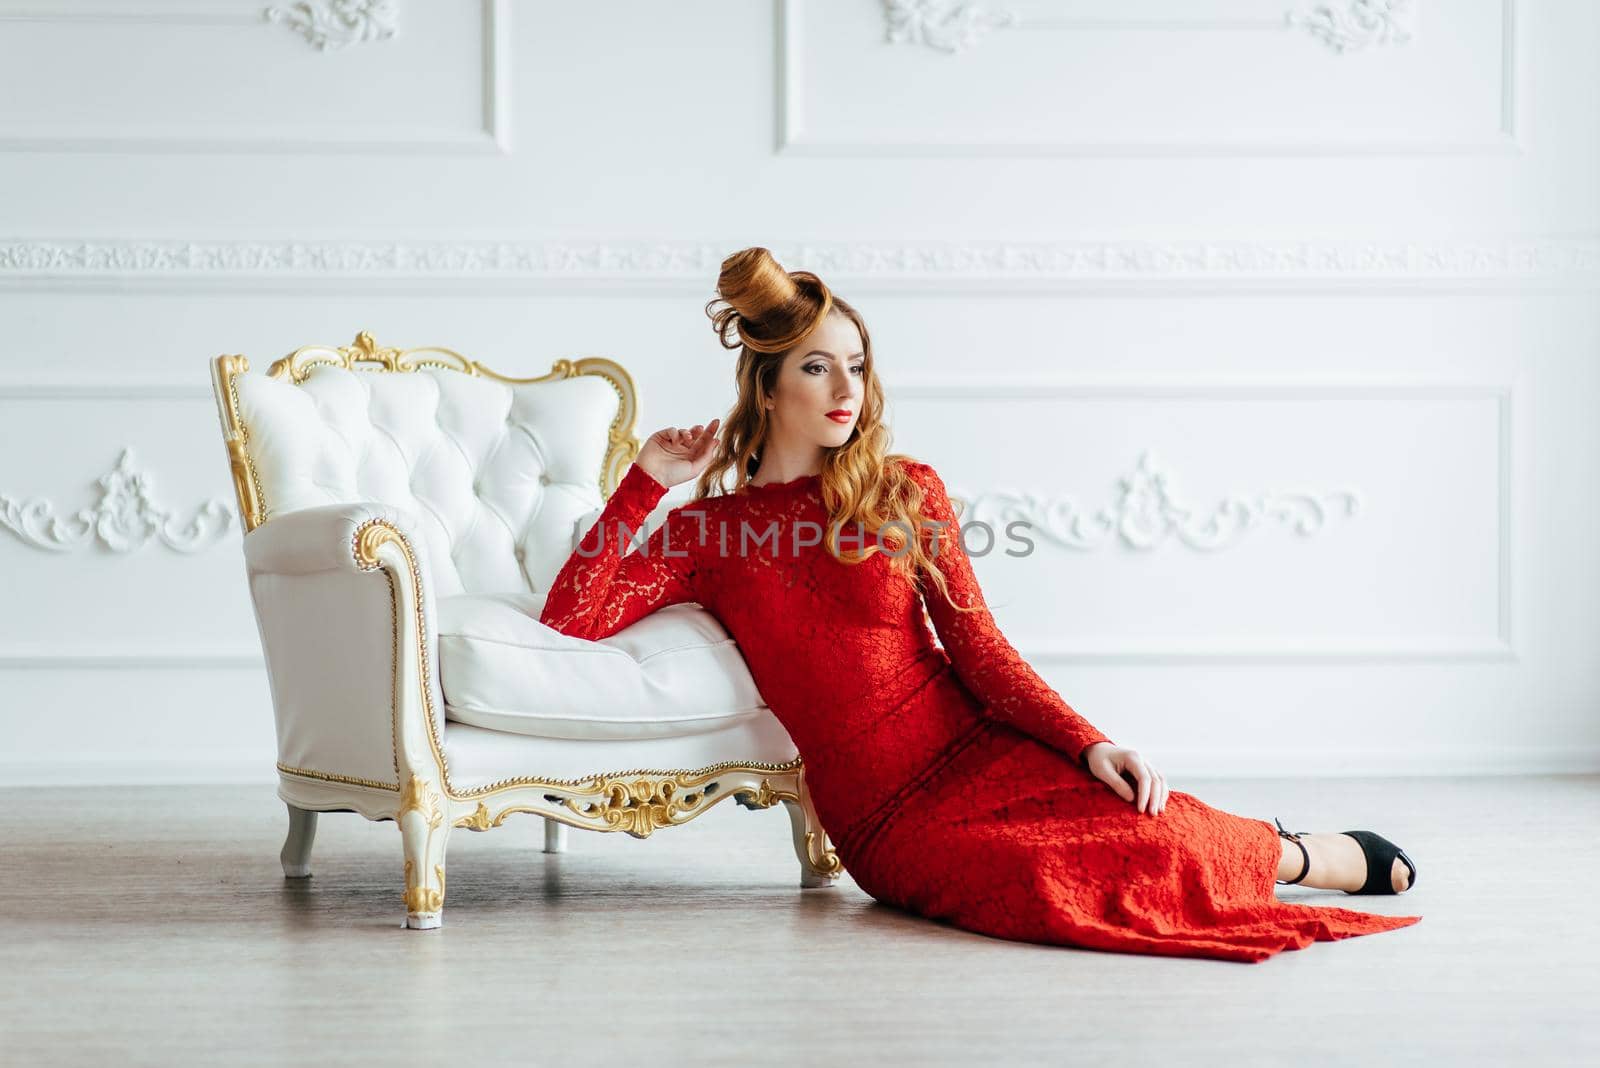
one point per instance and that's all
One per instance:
(829, 355)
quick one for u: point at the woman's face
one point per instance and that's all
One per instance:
(825, 372)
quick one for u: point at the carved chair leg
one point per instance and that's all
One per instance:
(296, 854)
(555, 836)
(423, 837)
(819, 864)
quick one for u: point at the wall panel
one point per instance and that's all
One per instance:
(1151, 266)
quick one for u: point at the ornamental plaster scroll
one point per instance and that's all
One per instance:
(124, 519)
(1147, 513)
(1358, 24)
(329, 24)
(942, 24)
(955, 26)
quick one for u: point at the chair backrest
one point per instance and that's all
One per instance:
(497, 471)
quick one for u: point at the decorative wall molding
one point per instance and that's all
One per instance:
(1352, 25)
(324, 24)
(104, 388)
(329, 24)
(1146, 513)
(1513, 437)
(124, 518)
(956, 26)
(58, 11)
(942, 24)
(1279, 756)
(1513, 433)
(79, 657)
(972, 265)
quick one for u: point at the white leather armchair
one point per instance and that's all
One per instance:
(405, 513)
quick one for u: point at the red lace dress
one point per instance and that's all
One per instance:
(950, 780)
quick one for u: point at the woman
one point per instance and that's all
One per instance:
(954, 782)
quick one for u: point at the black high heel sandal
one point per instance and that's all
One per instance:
(1380, 854)
(1295, 838)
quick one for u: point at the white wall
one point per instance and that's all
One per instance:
(1356, 285)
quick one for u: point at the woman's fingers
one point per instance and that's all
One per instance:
(1147, 792)
(706, 440)
(1133, 769)
(1152, 789)
(1117, 782)
(1142, 802)
(687, 443)
(690, 437)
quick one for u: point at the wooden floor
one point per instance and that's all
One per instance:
(152, 925)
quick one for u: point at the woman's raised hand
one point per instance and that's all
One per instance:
(672, 455)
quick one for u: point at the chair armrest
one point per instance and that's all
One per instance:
(318, 539)
(351, 657)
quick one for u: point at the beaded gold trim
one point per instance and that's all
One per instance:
(598, 781)
(327, 776)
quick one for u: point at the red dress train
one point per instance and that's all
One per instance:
(949, 779)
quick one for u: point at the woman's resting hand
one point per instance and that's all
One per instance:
(1115, 765)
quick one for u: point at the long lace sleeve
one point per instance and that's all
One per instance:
(599, 591)
(984, 660)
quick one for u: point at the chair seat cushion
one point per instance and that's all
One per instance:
(674, 672)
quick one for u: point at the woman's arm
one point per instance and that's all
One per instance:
(599, 591)
(982, 657)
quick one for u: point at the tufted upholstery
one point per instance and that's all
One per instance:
(475, 459)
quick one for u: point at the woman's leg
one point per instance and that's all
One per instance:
(1337, 863)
